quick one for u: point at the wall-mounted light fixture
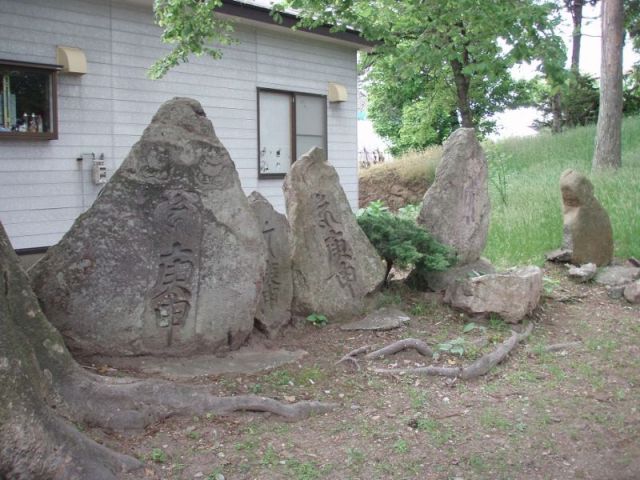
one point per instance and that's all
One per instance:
(72, 59)
(337, 92)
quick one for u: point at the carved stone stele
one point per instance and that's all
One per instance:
(169, 260)
(274, 309)
(456, 208)
(334, 264)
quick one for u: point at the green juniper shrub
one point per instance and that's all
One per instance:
(402, 242)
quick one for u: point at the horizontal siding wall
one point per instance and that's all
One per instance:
(286, 62)
(43, 188)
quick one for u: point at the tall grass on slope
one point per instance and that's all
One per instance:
(411, 167)
(526, 203)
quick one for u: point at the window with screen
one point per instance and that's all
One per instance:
(27, 101)
(289, 125)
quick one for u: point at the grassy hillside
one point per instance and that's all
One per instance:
(400, 182)
(526, 205)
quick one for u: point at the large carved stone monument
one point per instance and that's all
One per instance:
(334, 264)
(274, 310)
(456, 208)
(169, 260)
(587, 228)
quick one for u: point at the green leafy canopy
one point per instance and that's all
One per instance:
(191, 26)
(434, 65)
(437, 62)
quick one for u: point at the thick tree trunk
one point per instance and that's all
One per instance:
(608, 139)
(462, 82)
(556, 110)
(576, 16)
(34, 441)
(40, 383)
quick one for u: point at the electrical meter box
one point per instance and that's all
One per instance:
(99, 172)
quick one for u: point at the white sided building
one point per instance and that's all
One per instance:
(75, 97)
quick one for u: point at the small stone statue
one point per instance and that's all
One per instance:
(587, 228)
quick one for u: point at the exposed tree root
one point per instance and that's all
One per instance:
(46, 446)
(351, 356)
(42, 388)
(130, 404)
(478, 368)
(408, 343)
(558, 347)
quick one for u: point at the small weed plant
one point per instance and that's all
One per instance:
(401, 446)
(317, 319)
(498, 162)
(158, 455)
(454, 347)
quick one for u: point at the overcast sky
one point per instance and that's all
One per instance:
(517, 122)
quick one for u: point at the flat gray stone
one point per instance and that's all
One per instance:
(583, 273)
(383, 319)
(246, 360)
(632, 292)
(616, 275)
(169, 260)
(616, 292)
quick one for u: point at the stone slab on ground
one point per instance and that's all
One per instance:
(246, 360)
(583, 273)
(382, 319)
(615, 292)
(617, 275)
(632, 292)
(512, 295)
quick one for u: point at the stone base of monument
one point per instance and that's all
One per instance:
(632, 292)
(512, 295)
(440, 281)
(246, 360)
(617, 275)
(560, 255)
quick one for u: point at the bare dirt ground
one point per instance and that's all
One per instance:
(574, 413)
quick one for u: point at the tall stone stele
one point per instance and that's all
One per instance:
(456, 208)
(274, 309)
(587, 228)
(334, 264)
(170, 258)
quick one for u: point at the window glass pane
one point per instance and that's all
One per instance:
(25, 102)
(310, 116)
(304, 143)
(275, 132)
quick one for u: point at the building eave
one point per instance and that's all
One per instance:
(258, 16)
